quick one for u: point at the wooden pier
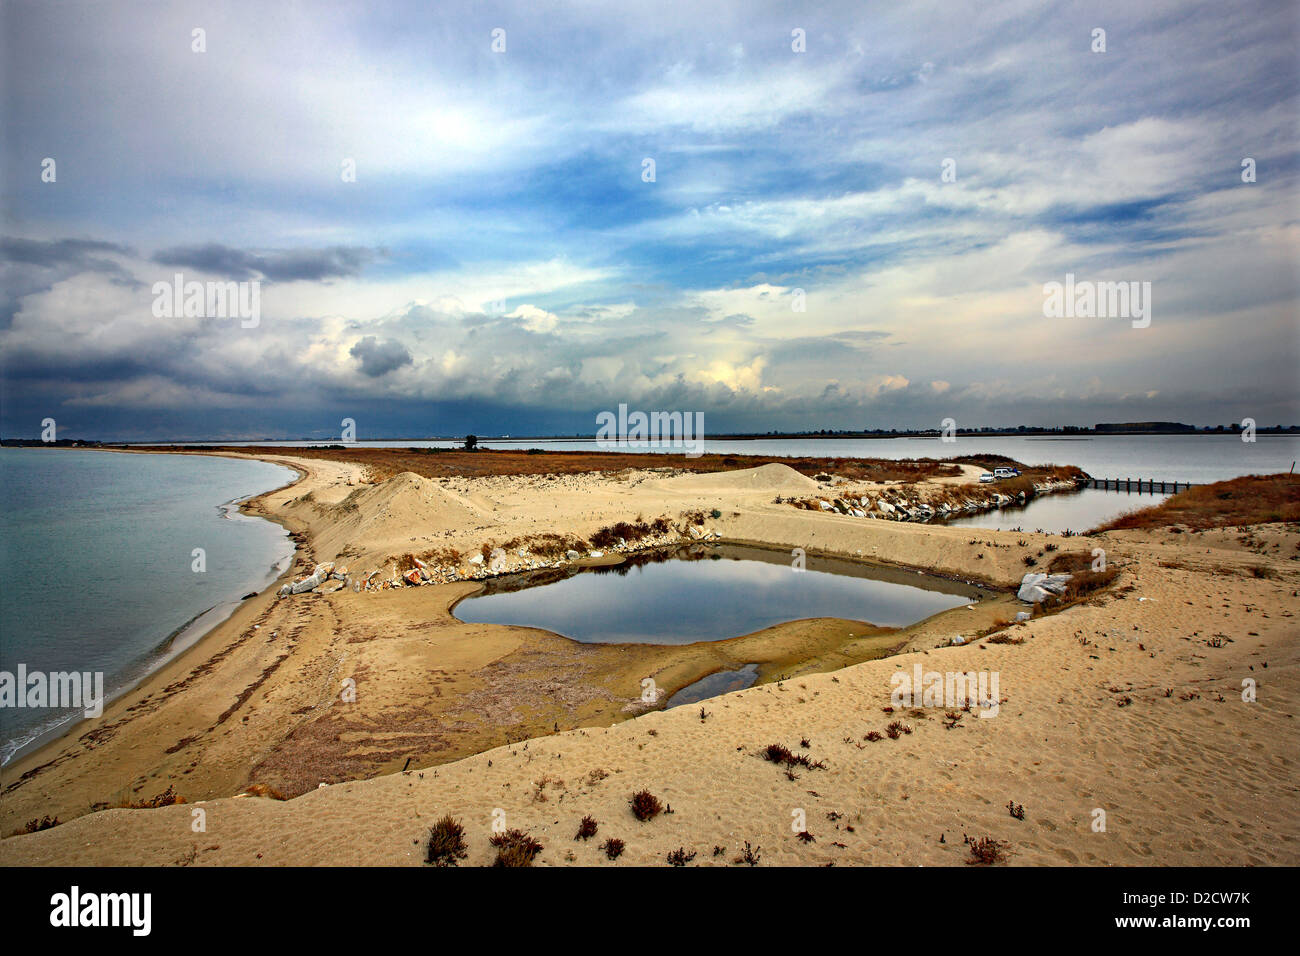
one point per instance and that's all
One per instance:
(1139, 486)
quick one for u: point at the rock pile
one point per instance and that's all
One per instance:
(327, 578)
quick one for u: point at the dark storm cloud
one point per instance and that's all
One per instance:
(311, 265)
(379, 358)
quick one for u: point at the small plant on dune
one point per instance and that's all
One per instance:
(645, 805)
(446, 843)
(749, 855)
(873, 735)
(586, 829)
(167, 798)
(613, 848)
(780, 754)
(43, 823)
(1005, 639)
(1016, 810)
(896, 728)
(679, 857)
(515, 848)
(985, 851)
(806, 837)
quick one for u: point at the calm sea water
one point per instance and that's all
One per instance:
(713, 593)
(97, 565)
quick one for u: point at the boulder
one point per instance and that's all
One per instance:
(825, 506)
(310, 583)
(885, 507)
(477, 559)
(413, 576)
(572, 555)
(1036, 587)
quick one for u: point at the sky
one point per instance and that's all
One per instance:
(450, 221)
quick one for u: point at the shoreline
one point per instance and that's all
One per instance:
(189, 634)
(196, 631)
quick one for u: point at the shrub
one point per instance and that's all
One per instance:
(446, 843)
(587, 828)
(645, 805)
(613, 848)
(985, 851)
(515, 848)
(679, 857)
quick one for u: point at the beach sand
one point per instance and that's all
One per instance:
(1129, 704)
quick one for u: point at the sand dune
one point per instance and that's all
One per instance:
(775, 478)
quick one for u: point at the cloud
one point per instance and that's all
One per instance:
(312, 265)
(379, 358)
(32, 266)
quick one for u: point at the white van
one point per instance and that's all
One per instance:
(1000, 473)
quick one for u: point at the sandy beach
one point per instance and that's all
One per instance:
(1129, 703)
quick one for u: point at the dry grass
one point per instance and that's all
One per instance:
(167, 798)
(1253, 499)
(515, 848)
(446, 843)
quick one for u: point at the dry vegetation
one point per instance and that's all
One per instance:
(1253, 499)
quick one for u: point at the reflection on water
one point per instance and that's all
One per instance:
(715, 685)
(708, 593)
(1056, 514)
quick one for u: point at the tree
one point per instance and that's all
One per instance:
(471, 442)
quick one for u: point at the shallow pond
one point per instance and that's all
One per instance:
(715, 685)
(708, 593)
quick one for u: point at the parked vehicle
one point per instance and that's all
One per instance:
(986, 478)
(1000, 473)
